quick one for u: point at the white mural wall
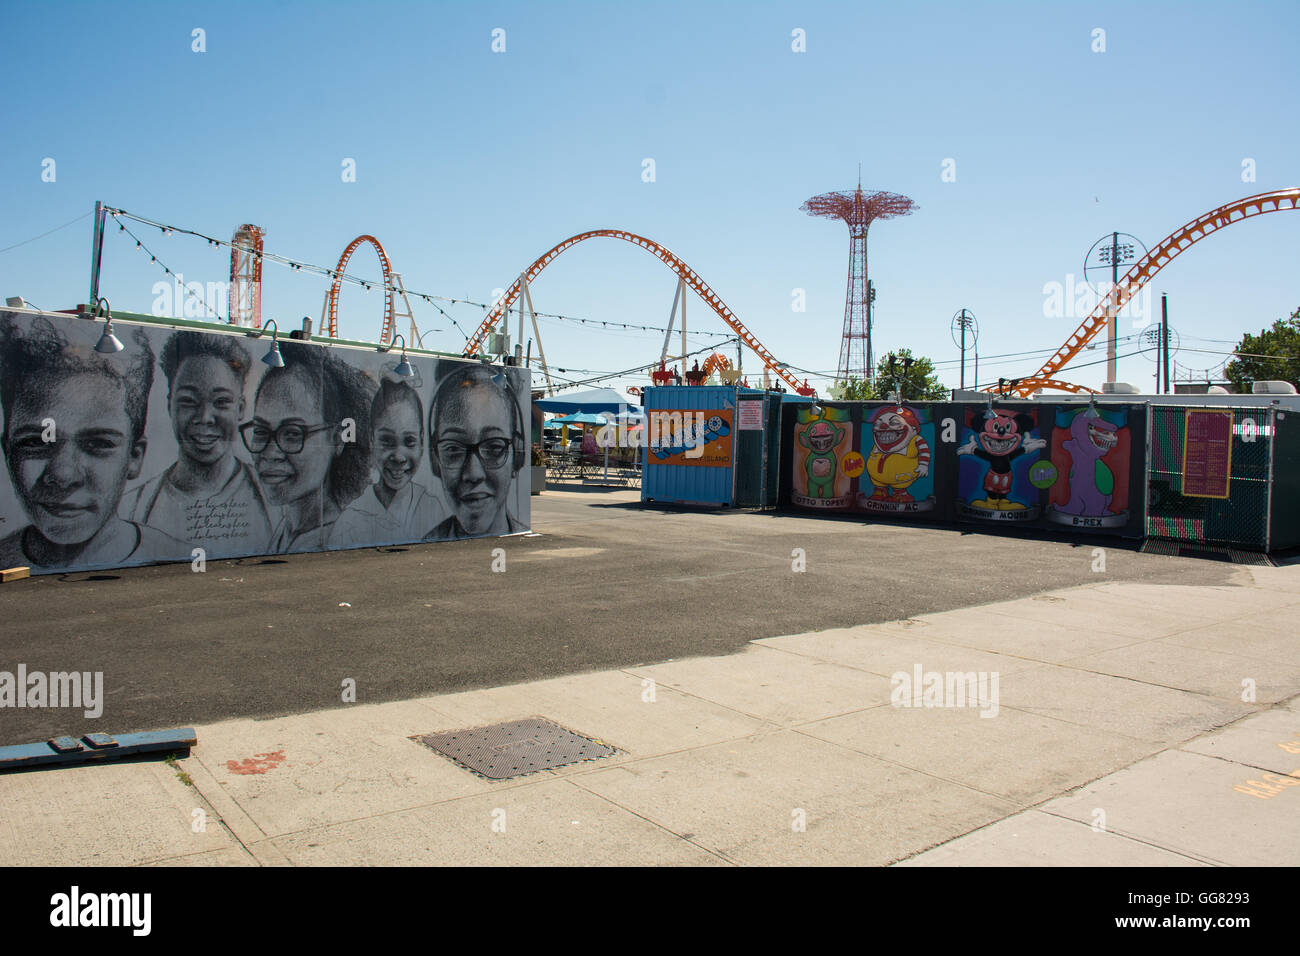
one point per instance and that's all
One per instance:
(186, 439)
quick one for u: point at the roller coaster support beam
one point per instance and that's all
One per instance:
(527, 299)
(672, 317)
(408, 312)
(681, 284)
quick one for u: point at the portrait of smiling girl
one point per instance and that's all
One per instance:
(310, 442)
(208, 496)
(396, 507)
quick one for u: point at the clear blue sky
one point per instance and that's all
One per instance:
(470, 163)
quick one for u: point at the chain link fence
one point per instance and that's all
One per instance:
(1240, 519)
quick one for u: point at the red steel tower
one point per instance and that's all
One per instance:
(859, 210)
(246, 276)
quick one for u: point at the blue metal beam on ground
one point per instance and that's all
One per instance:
(92, 747)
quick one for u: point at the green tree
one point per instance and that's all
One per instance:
(1282, 346)
(912, 376)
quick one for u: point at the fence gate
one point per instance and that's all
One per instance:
(1241, 518)
(756, 451)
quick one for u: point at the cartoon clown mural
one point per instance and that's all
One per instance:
(1091, 455)
(822, 444)
(994, 481)
(897, 476)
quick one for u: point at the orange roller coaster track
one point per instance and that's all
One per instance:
(687, 274)
(716, 362)
(1138, 276)
(332, 308)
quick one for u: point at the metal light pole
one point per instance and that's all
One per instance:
(96, 252)
(961, 322)
(1112, 253)
(1164, 335)
(1163, 341)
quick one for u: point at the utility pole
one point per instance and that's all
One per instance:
(1111, 363)
(962, 323)
(96, 253)
(1164, 335)
(1113, 253)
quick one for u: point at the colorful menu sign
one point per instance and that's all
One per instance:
(1207, 453)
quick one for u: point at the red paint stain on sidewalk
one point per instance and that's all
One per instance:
(259, 763)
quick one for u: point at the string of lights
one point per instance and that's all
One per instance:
(631, 371)
(166, 269)
(429, 298)
(367, 284)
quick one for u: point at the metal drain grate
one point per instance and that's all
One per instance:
(514, 748)
(1206, 552)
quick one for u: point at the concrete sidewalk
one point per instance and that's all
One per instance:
(1119, 737)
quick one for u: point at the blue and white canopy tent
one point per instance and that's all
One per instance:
(593, 402)
(597, 406)
(577, 418)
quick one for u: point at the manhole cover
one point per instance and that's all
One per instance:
(514, 748)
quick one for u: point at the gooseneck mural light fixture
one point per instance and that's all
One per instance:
(404, 368)
(108, 342)
(273, 357)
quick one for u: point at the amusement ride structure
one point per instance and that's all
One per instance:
(245, 299)
(393, 288)
(1173, 245)
(687, 278)
(858, 210)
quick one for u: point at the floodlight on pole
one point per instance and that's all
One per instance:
(108, 342)
(404, 368)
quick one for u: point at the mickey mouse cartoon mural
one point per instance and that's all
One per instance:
(999, 438)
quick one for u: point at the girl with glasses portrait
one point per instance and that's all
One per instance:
(310, 442)
(476, 448)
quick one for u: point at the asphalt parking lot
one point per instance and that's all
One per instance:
(605, 583)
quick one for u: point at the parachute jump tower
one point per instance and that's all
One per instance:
(858, 210)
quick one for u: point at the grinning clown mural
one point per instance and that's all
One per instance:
(897, 475)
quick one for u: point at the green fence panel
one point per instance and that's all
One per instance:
(1241, 519)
